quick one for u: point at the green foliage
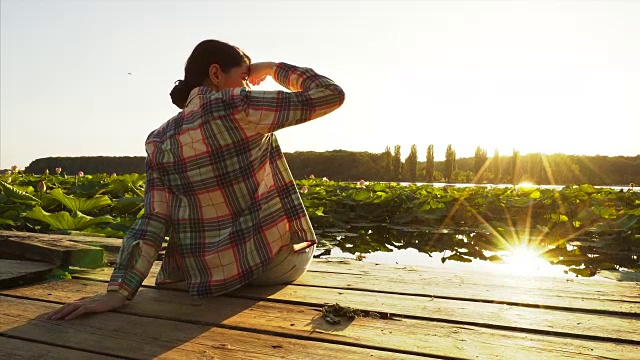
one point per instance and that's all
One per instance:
(64, 221)
(71, 204)
(599, 221)
(58, 274)
(17, 195)
(582, 226)
(80, 204)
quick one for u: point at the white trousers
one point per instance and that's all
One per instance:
(286, 267)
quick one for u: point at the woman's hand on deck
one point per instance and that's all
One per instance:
(91, 304)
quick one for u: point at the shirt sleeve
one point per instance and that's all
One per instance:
(143, 241)
(312, 96)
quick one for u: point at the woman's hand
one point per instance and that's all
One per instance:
(258, 72)
(91, 304)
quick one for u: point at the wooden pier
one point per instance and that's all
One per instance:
(422, 312)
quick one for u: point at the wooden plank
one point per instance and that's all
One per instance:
(515, 318)
(145, 338)
(568, 283)
(455, 311)
(111, 246)
(596, 302)
(17, 272)
(585, 294)
(425, 337)
(97, 241)
(21, 349)
(54, 249)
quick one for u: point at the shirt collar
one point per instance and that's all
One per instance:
(199, 91)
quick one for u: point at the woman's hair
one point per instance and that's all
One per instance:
(196, 70)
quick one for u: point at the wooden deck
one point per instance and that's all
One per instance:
(426, 313)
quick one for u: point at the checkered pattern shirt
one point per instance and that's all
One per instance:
(218, 185)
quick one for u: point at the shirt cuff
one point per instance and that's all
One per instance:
(122, 283)
(122, 290)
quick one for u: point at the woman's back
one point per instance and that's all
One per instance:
(223, 185)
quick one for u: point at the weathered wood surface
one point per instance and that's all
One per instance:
(304, 322)
(54, 249)
(517, 318)
(568, 283)
(22, 349)
(594, 302)
(17, 272)
(110, 246)
(435, 313)
(588, 294)
(140, 337)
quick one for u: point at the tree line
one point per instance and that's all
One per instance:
(342, 165)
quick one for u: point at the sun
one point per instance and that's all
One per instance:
(525, 260)
(526, 184)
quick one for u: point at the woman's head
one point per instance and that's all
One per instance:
(215, 64)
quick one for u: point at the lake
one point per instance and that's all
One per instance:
(389, 244)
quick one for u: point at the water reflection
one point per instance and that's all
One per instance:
(555, 187)
(464, 248)
(412, 257)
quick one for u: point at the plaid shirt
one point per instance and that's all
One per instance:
(219, 186)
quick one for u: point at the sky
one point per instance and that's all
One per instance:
(536, 76)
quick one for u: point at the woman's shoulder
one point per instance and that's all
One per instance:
(164, 131)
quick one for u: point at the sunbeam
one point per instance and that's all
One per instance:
(525, 260)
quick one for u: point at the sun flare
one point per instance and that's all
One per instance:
(526, 184)
(526, 260)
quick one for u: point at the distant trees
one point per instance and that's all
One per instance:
(430, 165)
(496, 169)
(346, 165)
(88, 165)
(411, 164)
(396, 162)
(480, 158)
(535, 169)
(449, 163)
(515, 167)
(387, 160)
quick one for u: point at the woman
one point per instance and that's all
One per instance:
(218, 184)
